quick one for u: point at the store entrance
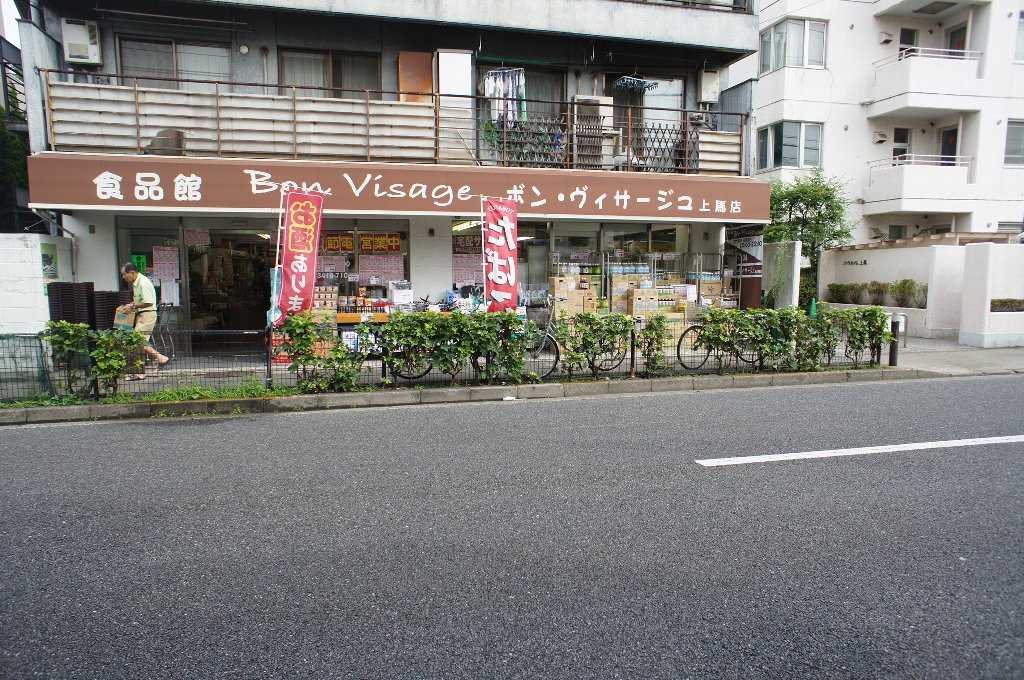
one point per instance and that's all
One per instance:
(229, 279)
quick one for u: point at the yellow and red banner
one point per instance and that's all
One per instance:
(501, 254)
(300, 244)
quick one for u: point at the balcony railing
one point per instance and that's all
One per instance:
(931, 160)
(170, 116)
(912, 52)
(722, 5)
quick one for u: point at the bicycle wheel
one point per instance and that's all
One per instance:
(691, 357)
(543, 358)
(746, 354)
(613, 358)
(411, 366)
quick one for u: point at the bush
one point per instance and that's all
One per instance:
(589, 340)
(1006, 305)
(319, 361)
(117, 353)
(855, 293)
(651, 342)
(877, 292)
(836, 292)
(69, 345)
(903, 292)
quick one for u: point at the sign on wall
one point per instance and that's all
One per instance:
(301, 236)
(501, 260)
(68, 180)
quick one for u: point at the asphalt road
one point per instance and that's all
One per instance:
(567, 538)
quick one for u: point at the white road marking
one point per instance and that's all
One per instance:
(860, 451)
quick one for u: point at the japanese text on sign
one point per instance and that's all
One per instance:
(302, 215)
(500, 237)
(368, 243)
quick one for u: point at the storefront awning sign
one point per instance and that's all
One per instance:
(69, 181)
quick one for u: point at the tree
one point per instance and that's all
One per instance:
(811, 210)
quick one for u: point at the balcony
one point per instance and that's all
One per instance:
(931, 10)
(205, 118)
(727, 25)
(922, 81)
(918, 183)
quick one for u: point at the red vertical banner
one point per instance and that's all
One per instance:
(501, 254)
(301, 240)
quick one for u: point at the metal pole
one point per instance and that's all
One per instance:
(437, 128)
(894, 344)
(138, 123)
(632, 351)
(295, 125)
(49, 111)
(629, 138)
(216, 101)
(269, 357)
(367, 92)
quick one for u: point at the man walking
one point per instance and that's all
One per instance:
(144, 305)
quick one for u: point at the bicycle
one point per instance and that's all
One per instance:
(693, 353)
(547, 351)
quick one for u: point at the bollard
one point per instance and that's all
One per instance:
(894, 344)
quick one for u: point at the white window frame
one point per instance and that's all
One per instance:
(1006, 161)
(770, 30)
(1018, 56)
(803, 143)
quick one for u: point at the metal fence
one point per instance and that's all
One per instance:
(202, 362)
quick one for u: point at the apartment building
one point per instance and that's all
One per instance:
(162, 133)
(917, 105)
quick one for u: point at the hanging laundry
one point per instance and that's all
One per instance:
(506, 90)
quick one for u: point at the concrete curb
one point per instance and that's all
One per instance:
(448, 395)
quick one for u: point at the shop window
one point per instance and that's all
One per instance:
(789, 144)
(793, 42)
(150, 62)
(1014, 142)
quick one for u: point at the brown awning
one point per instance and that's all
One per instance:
(70, 181)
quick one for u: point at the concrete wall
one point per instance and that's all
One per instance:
(945, 288)
(864, 266)
(23, 303)
(992, 271)
(840, 97)
(38, 50)
(96, 250)
(665, 23)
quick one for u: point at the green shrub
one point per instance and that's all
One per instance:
(903, 292)
(319, 361)
(836, 292)
(855, 293)
(589, 340)
(877, 292)
(69, 345)
(117, 353)
(651, 342)
(1006, 305)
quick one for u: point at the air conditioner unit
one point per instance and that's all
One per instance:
(710, 86)
(81, 41)
(879, 137)
(597, 110)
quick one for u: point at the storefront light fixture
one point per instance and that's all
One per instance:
(265, 237)
(468, 224)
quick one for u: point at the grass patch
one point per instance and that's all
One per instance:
(44, 401)
(250, 389)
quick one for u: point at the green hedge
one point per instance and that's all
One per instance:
(81, 354)
(1006, 305)
(790, 340)
(904, 293)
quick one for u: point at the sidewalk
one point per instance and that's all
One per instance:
(947, 356)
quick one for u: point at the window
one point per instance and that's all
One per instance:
(896, 231)
(313, 73)
(793, 42)
(908, 42)
(151, 61)
(789, 144)
(1011, 228)
(1014, 142)
(1020, 38)
(900, 142)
